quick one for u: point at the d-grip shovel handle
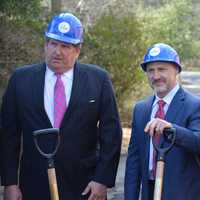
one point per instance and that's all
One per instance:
(170, 134)
(44, 132)
(51, 170)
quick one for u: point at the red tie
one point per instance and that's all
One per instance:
(159, 114)
(59, 102)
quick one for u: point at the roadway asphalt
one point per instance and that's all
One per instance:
(118, 191)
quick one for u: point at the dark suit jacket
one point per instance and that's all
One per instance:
(0, 143)
(182, 174)
(90, 133)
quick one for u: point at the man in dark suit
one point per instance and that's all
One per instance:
(85, 111)
(170, 106)
(0, 141)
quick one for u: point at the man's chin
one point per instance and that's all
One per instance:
(59, 70)
(160, 91)
(56, 68)
(56, 63)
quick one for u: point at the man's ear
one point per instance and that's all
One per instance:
(177, 71)
(45, 46)
(78, 51)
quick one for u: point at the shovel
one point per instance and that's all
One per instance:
(49, 156)
(169, 133)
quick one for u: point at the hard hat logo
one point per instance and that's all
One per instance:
(155, 51)
(64, 27)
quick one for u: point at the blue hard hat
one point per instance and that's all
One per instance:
(66, 28)
(161, 52)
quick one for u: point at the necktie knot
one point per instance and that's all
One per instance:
(58, 76)
(161, 103)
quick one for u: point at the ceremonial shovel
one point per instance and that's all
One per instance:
(170, 134)
(49, 156)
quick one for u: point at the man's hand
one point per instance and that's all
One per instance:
(12, 192)
(97, 191)
(156, 126)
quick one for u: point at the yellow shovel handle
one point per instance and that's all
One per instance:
(53, 184)
(159, 180)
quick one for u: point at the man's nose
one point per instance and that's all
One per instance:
(58, 50)
(156, 74)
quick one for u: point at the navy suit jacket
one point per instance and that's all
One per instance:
(90, 133)
(182, 173)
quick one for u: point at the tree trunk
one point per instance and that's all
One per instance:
(56, 6)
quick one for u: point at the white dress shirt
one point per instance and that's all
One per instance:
(167, 99)
(50, 80)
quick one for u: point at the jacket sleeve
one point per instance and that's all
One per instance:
(133, 168)
(110, 136)
(188, 133)
(11, 135)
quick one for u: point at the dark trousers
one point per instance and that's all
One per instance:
(151, 189)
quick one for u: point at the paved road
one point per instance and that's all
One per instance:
(190, 81)
(118, 192)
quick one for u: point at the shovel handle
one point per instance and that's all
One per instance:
(159, 180)
(162, 151)
(43, 132)
(53, 184)
(161, 162)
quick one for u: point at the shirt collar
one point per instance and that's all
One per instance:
(168, 98)
(68, 74)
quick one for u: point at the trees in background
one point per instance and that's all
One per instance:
(21, 10)
(175, 22)
(20, 39)
(56, 6)
(117, 40)
(115, 43)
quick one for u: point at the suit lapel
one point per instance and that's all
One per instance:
(78, 86)
(147, 117)
(38, 91)
(175, 106)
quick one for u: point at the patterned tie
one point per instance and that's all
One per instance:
(60, 105)
(159, 114)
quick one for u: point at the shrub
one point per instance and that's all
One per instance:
(115, 43)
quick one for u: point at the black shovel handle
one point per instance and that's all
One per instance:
(51, 168)
(170, 134)
(44, 132)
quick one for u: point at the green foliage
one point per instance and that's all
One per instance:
(21, 36)
(175, 23)
(115, 43)
(119, 39)
(20, 9)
